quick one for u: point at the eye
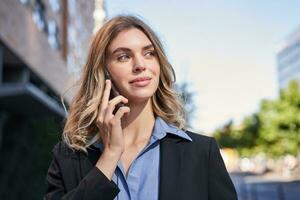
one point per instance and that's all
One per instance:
(123, 58)
(150, 53)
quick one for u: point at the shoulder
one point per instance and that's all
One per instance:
(202, 142)
(62, 150)
(200, 138)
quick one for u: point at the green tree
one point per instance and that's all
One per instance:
(274, 129)
(280, 130)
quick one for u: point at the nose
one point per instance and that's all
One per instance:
(139, 64)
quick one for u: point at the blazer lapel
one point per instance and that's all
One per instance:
(171, 154)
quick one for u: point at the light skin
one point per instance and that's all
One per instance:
(131, 55)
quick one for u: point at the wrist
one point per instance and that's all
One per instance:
(108, 162)
(112, 154)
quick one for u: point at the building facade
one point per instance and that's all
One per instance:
(288, 59)
(43, 46)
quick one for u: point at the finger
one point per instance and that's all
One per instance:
(105, 99)
(121, 111)
(118, 99)
(116, 135)
(112, 104)
(115, 122)
(106, 93)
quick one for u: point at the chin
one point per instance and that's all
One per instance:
(140, 97)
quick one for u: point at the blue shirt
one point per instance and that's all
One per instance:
(142, 181)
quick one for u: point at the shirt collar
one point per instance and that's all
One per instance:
(161, 128)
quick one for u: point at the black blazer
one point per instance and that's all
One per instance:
(188, 171)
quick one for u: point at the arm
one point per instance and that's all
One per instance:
(95, 185)
(220, 184)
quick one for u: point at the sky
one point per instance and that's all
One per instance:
(224, 50)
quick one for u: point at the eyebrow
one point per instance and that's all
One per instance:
(122, 49)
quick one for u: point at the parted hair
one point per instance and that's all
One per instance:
(80, 129)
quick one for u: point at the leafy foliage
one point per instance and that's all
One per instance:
(274, 129)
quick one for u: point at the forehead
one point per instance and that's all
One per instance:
(131, 38)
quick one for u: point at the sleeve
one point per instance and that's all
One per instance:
(220, 184)
(95, 185)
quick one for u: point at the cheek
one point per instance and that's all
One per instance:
(119, 73)
(156, 72)
(155, 68)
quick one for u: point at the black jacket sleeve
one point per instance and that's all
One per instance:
(94, 185)
(220, 184)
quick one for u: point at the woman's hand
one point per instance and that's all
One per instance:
(109, 124)
(110, 131)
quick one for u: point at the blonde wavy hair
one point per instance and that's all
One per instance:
(80, 130)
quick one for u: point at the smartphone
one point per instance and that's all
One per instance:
(113, 92)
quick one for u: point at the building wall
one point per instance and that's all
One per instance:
(20, 33)
(26, 138)
(80, 30)
(288, 59)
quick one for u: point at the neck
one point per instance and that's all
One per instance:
(138, 124)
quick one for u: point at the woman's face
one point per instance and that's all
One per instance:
(133, 65)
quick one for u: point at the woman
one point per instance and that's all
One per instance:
(138, 150)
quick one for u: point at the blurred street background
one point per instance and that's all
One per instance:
(237, 64)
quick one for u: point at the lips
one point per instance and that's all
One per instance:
(140, 79)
